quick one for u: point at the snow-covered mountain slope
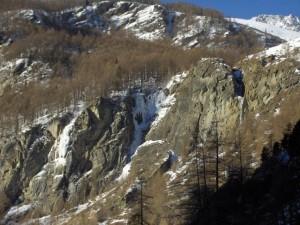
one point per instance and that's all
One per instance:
(289, 22)
(283, 49)
(289, 50)
(96, 145)
(270, 28)
(147, 22)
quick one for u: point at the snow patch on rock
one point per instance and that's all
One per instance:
(165, 102)
(125, 172)
(277, 112)
(17, 211)
(150, 142)
(281, 52)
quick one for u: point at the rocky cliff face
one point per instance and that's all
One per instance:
(84, 165)
(90, 164)
(64, 158)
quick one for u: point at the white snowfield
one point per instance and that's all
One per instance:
(17, 211)
(283, 49)
(275, 30)
(289, 22)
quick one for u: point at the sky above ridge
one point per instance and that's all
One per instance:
(249, 8)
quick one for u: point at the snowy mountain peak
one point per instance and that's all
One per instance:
(285, 27)
(289, 22)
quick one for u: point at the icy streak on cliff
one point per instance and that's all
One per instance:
(63, 141)
(148, 112)
(151, 109)
(140, 121)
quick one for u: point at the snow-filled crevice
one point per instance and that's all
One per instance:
(140, 119)
(144, 113)
(150, 107)
(15, 212)
(57, 157)
(58, 152)
(63, 141)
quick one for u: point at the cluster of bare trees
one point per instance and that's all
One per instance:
(87, 66)
(93, 68)
(84, 67)
(211, 168)
(197, 196)
(216, 161)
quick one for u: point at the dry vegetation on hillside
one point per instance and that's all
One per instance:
(87, 66)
